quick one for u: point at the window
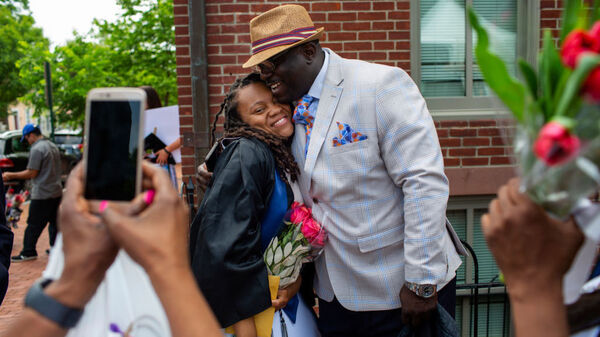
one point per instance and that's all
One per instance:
(493, 316)
(442, 59)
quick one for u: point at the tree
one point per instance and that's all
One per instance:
(17, 34)
(137, 49)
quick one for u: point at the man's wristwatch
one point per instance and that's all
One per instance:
(422, 290)
(66, 317)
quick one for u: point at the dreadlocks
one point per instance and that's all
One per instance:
(235, 127)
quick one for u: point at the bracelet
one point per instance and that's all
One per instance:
(66, 317)
(167, 151)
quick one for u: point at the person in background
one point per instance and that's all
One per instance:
(153, 102)
(45, 171)
(533, 251)
(155, 238)
(6, 244)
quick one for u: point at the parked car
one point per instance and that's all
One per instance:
(14, 156)
(69, 141)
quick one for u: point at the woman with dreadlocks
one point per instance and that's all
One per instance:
(243, 208)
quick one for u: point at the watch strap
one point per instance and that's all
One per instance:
(66, 317)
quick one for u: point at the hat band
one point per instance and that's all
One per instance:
(283, 39)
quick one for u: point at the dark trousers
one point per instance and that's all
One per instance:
(41, 212)
(337, 321)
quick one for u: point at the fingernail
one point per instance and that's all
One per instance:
(103, 205)
(149, 197)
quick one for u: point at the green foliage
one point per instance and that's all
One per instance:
(17, 34)
(568, 100)
(550, 70)
(136, 49)
(495, 73)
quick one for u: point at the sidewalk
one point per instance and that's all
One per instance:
(22, 274)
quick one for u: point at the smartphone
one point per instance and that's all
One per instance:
(114, 145)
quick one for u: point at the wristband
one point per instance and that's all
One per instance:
(167, 151)
(66, 317)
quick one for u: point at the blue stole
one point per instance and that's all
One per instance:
(271, 225)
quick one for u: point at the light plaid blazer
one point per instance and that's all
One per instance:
(383, 199)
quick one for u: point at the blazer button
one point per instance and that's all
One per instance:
(315, 201)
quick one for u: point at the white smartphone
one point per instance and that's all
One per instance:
(114, 143)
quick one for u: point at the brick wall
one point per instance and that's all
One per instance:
(377, 31)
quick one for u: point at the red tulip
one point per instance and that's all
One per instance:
(591, 86)
(595, 34)
(555, 144)
(576, 43)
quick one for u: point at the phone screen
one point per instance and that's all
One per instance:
(113, 143)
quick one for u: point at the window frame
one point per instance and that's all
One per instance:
(528, 37)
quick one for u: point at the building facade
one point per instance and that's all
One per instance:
(431, 40)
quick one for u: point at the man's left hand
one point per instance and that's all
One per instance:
(416, 310)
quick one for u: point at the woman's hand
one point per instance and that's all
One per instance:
(161, 157)
(285, 295)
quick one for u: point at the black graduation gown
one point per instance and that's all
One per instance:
(225, 245)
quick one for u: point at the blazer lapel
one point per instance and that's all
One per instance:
(330, 96)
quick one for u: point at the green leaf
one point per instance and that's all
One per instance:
(530, 77)
(595, 15)
(571, 93)
(495, 72)
(570, 18)
(551, 69)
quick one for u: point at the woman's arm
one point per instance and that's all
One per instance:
(162, 156)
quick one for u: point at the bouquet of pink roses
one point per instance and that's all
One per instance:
(300, 241)
(557, 140)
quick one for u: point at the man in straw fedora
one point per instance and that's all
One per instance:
(372, 171)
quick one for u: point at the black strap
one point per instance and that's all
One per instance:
(66, 317)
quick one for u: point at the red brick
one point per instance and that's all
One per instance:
(350, 46)
(463, 132)
(182, 70)
(385, 25)
(462, 152)
(235, 49)
(234, 8)
(488, 132)
(476, 141)
(325, 6)
(379, 6)
(352, 55)
(402, 5)
(215, 89)
(383, 45)
(360, 6)
(212, 50)
(182, 91)
(442, 133)
(234, 69)
(450, 142)
(402, 25)
(334, 27)
(343, 16)
(211, 9)
(474, 161)
(260, 8)
(357, 25)
(226, 18)
(482, 123)
(243, 39)
(225, 79)
(180, 20)
(405, 66)
(182, 40)
(341, 36)
(318, 17)
(180, 2)
(548, 23)
(183, 60)
(500, 161)
(177, 9)
(399, 55)
(221, 59)
(499, 141)
(372, 16)
(182, 30)
(185, 51)
(551, 13)
(220, 39)
(372, 56)
(451, 162)
(399, 35)
(370, 36)
(403, 45)
(242, 28)
(213, 29)
(490, 151)
(544, 4)
(185, 100)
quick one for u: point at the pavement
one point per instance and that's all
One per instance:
(22, 274)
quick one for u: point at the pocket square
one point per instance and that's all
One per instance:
(347, 135)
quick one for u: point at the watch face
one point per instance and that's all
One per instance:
(427, 291)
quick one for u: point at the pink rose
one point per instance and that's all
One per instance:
(300, 213)
(555, 144)
(313, 232)
(591, 86)
(576, 43)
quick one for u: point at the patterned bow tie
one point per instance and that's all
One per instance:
(303, 116)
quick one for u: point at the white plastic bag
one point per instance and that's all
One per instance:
(125, 298)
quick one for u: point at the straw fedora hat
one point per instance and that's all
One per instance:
(278, 29)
